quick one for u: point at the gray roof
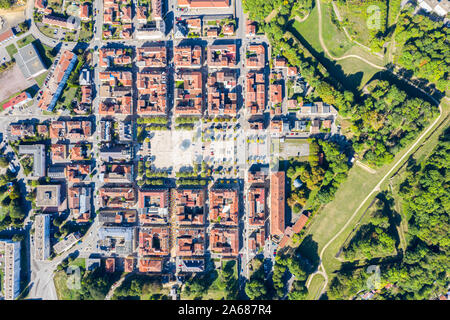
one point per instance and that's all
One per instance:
(38, 152)
(125, 234)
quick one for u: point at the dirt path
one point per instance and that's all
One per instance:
(271, 15)
(301, 20)
(366, 167)
(11, 17)
(115, 286)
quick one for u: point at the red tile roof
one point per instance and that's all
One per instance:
(277, 195)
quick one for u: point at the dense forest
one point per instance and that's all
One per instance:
(319, 180)
(12, 213)
(287, 267)
(376, 237)
(387, 121)
(138, 286)
(422, 273)
(425, 49)
(223, 280)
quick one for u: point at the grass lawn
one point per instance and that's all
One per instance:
(67, 96)
(12, 50)
(357, 15)
(41, 78)
(48, 31)
(351, 72)
(62, 291)
(24, 41)
(358, 72)
(309, 29)
(335, 39)
(216, 293)
(315, 287)
(60, 279)
(46, 53)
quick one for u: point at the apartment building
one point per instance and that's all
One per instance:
(189, 93)
(255, 101)
(152, 93)
(222, 56)
(151, 57)
(224, 242)
(256, 206)
(60, 71)
(11, 271)
(42, 237)
(277, 207)
(153, 206)
(255, 56)
(154, 241)
(190, 242)
(190, 206)
(188, 56)
(224, 206)
(222, 95)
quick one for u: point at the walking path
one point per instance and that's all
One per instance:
(366, 167)
(271, 15)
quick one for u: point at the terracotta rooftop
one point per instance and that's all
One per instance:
(190, 206)
(277, 198)
(110, 265)
(117, 197)
(154, 241)
(204, 3)
(153, 56)
(224, 241)
(257, 206)
(189, 94)
(222, 96)
(150, 265)
(255, 56)
(187, 56)
(222, 55)
(255, 93)
(224, 206)
(191, 242)
(152, 92)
